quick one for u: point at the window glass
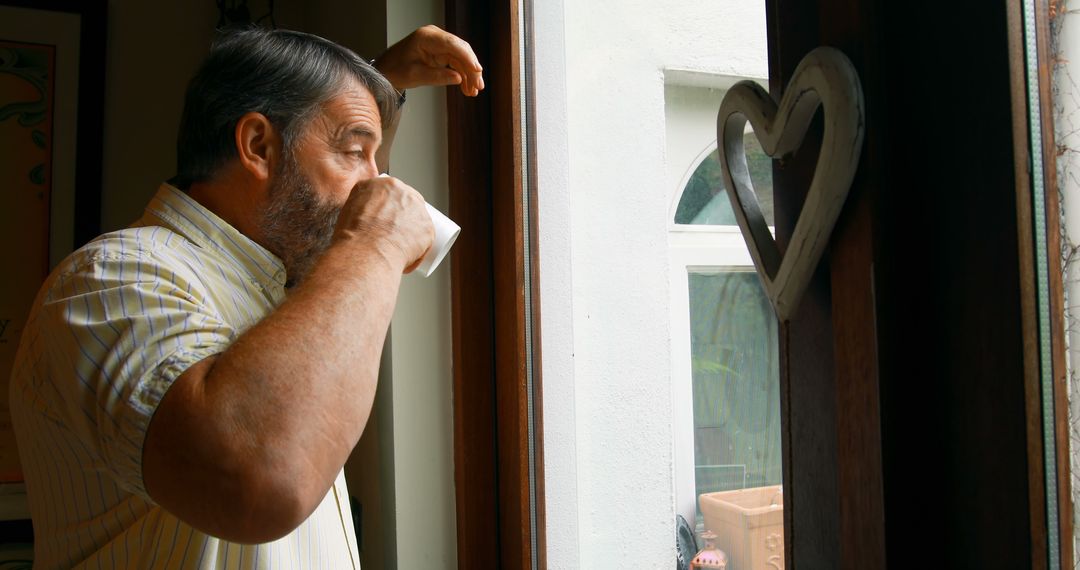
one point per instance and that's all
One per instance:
(704, 200)
(735, 375)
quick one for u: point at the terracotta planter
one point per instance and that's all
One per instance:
(749, 524)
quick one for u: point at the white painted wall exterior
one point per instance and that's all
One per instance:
(556, 286)
(603, 218)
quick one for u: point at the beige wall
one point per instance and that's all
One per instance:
(423, 428)
(154, 48)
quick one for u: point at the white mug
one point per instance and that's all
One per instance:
(446, 231)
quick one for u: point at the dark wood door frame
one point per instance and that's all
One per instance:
(908, 375)
(499, 484)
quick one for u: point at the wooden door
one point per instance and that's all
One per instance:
(910, 372)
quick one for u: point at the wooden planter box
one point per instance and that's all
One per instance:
(749, 526)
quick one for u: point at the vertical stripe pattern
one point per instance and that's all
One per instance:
(112, 327)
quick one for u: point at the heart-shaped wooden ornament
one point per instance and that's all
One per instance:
(824, 77)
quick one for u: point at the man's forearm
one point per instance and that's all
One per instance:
(315, 360)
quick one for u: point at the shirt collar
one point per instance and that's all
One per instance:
(181, 213)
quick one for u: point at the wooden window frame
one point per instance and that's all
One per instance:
(499, 483)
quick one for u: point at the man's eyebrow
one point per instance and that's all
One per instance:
(346, 135)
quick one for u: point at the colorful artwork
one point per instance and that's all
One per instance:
(26, 121)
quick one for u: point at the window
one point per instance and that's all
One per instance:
(725, 356)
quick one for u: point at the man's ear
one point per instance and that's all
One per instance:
(257, 144)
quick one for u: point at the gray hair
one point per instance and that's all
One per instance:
(285, 75)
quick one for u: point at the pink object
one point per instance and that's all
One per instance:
(710, 556)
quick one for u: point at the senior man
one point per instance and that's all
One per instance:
(187, 390)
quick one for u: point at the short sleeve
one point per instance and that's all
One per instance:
(117, 330)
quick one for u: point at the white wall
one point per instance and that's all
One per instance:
(604, 203)
(556, 283)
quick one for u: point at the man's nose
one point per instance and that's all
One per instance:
(370, 168)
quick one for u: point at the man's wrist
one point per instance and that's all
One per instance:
(366, 252)
(401, 93)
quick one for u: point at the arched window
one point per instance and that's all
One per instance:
(703, 200)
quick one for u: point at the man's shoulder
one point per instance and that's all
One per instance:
(133, 243)
(127, 255)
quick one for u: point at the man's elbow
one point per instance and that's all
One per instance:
(266, 522)
(248, 503)
(263, 510)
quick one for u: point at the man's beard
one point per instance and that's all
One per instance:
(296, 224)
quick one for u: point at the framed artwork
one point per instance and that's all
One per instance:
(52, 61)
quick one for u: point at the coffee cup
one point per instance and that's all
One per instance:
(446, 232)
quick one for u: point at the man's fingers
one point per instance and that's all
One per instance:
(476, 83)
(412, 267)
(471, 78)
(432, 56)
(387, 209)
(460, 56)
(443, 76)
(460, 50)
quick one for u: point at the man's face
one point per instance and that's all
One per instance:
(334, 153)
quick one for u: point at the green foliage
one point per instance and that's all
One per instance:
(706, 366)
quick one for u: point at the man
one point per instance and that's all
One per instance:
(188, 389)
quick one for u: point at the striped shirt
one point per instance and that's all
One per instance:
(113, 326)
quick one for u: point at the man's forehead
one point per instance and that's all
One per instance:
(352, 113)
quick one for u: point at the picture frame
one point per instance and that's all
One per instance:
(52, 91)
